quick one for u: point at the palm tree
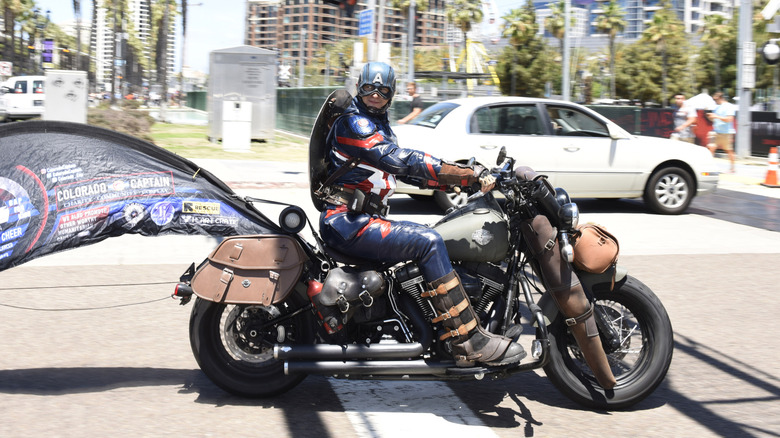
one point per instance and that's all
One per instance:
(92, 31)
(11, 9)
(520, 28)
(463, 14)
(520, 25)
(77, 16)
(715, 32)
(663, 29)
(611, 22)
(404, 6)
(556, 22)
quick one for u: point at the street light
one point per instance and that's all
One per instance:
(771, 52)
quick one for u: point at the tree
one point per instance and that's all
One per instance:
(715, 32)
(521, 29)
(520, 25)
(664, 30)
(611, 22)
(420, 6)
(463, 14)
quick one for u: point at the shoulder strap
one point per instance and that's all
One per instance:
(344, 168)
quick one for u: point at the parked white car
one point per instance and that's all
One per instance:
(578, 149)
(22, 97)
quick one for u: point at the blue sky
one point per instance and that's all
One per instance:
(216, 24)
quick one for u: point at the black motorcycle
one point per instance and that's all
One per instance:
(271, 309)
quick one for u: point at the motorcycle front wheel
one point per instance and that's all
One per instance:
(639, 358)
(234, 347)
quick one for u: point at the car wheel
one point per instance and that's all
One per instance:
(669, 191)
(447, 200)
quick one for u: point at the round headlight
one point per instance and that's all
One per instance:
(561, 196)
(569, 215)
(292, 219)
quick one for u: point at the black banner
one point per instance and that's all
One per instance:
(64, 185)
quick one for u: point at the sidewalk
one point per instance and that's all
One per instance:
(749, 174)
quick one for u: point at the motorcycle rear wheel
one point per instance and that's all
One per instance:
(639, 363)
(237, 354)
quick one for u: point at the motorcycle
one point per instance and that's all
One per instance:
(272, 309)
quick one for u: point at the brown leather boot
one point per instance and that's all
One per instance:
(471, 342)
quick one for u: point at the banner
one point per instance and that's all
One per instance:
(64, 185)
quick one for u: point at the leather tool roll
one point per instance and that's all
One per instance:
(564, 286)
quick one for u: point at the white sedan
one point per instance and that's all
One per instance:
(578, 149)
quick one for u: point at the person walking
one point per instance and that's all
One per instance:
(416, 106)
(722, 134)
(684, 120)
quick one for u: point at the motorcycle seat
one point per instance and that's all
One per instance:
(348, 259)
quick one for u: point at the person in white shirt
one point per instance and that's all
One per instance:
(684, 120)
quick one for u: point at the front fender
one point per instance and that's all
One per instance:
(588, 280)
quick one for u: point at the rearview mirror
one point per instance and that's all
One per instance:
(616, 133)
(501, 156)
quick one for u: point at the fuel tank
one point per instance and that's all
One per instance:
(476, 232)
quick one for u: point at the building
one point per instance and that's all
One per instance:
(296, 29)
(138, 23)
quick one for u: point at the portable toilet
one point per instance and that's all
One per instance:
(242, 80)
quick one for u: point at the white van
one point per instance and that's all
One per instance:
(22, 97)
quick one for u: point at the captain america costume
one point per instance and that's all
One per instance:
(366, 137)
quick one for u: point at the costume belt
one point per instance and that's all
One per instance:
(356, 200)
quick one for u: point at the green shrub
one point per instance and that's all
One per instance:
(127, 121)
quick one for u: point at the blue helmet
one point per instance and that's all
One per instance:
(377, 77)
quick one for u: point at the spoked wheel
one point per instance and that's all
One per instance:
(639, 353)
(233, 345)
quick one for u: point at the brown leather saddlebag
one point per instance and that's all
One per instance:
(595, 248)
(261, 269)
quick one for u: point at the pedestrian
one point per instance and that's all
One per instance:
(411, 88)
(722, 134)
(684, 120)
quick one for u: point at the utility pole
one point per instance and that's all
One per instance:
(746, 77)
(412, 7)
(565, 83)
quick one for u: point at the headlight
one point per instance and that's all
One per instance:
(569, 216)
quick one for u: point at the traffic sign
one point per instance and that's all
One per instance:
(366, 22)
(6, 68)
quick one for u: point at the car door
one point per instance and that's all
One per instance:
(588, 161)
(519, 127)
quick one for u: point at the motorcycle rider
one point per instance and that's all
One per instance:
(364, 162)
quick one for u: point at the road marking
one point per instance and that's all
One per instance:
(379, 409)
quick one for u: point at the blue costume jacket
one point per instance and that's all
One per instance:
(359, 134)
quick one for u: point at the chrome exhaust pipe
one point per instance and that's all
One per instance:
(372, 367)
(326, 352)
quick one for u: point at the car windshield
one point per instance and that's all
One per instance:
(431, 116)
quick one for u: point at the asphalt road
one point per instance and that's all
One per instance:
(92, 345)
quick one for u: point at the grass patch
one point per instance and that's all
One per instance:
(192, 142)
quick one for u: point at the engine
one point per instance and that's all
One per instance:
(483, 282)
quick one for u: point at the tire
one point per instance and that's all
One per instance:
(639, 369)
(220, 337)
(447, 200)
(669, 191)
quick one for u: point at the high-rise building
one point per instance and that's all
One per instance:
(108, 37)
(296, 29)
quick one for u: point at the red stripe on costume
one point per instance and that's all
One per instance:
(385, 226)
(365, 144)
(429, 165)
(337, 210)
